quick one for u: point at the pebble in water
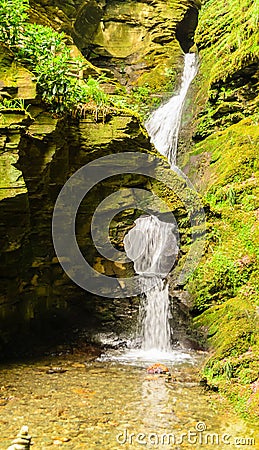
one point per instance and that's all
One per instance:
(23, 440)
(158, 369)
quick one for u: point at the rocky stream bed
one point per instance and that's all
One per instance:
(77, 400)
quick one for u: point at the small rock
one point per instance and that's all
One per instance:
(78, 365)
(56, 370)
(157, 368)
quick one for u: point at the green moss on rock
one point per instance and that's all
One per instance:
(14, 77)
(225, 156)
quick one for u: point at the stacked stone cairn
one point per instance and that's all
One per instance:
(22, 441)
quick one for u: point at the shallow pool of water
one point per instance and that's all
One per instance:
(72, 402)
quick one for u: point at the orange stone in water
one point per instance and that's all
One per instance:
(157, 368)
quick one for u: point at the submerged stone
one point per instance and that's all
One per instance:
(157, 368)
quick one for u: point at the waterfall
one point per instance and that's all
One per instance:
(152, 240)
(149, 244)
(164, 124)
(155, 330)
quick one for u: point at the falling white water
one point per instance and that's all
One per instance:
(164, 124)
(151, 242)
(154, 318)
(152, 245)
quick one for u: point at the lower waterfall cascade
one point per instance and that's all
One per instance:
(155, 241)
(154, 317)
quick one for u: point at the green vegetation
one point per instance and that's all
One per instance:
(217, 280)
(63, 82)
(145, 98)
(59, 77)
(233, 35)
(141, 100)
(13, 15)
(228, 36)
(225, 287)
(13, 103)
(233, 331)
(232, 195)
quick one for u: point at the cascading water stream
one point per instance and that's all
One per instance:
(149, 244)
(160, 238)
(164, 124)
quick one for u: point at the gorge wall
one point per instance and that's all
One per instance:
(224, 142)
(137, 42)
(40, 151)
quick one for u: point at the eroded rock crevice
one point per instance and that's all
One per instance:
(185, 29)
(37, 296)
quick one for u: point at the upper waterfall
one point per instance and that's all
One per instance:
(164, 124)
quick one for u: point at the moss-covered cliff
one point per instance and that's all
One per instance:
(225, 156)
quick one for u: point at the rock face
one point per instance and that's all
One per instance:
(47, 151)
(137, 42)
(38, 154)
(224, 155)
(22, 441)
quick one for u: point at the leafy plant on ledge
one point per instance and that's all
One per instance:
(59, 76)
(13, 15)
